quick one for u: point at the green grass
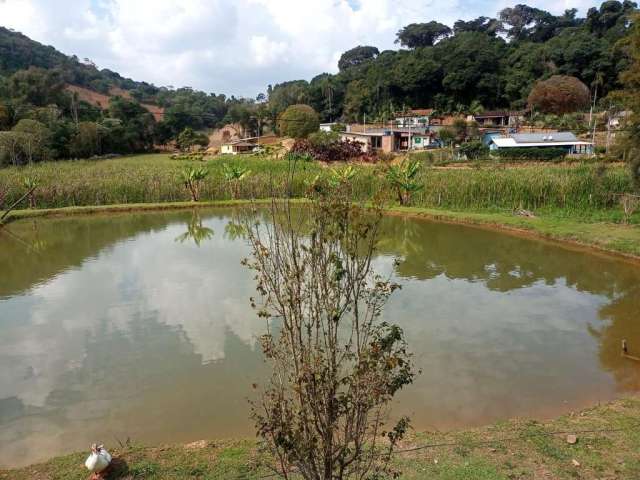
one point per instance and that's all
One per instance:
(571, 202)
(607, 447)
(598, 229)
(156, 178)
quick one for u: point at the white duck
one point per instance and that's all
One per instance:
(98, 461)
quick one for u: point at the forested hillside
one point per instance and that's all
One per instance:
(42, 117)
(485, 63)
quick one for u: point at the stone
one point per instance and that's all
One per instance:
(197, 445)
(572, 439)
(575, 463)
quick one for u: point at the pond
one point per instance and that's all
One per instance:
(139, 326)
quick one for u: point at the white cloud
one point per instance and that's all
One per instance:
(230, 47)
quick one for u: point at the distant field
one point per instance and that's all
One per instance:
(156, 178)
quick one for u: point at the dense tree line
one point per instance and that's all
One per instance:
(40, 119)
(488, 62)
(485, 63)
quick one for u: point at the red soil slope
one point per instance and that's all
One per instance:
(101, 100)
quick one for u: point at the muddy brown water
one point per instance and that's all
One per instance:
(138, 326)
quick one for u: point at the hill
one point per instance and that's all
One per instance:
(485, 63)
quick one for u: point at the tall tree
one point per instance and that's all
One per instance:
(490, 26)
(357, 56)
(418, 35)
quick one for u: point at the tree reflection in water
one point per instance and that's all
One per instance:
(196, 231)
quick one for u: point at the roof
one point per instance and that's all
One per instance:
(544, 137)
(240, 143)
(499, 113)
(364, 134)
(374, 132)
(419, 112)
(510, 142)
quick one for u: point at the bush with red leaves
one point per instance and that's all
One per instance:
(340, 150)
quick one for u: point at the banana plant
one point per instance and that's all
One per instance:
(403, 179)
(234, 175)
(342, 176)
(31, 183)
(192, 178)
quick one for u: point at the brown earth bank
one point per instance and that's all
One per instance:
(602, 442)
(102, 101)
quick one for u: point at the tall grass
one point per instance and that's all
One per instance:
(156, 178)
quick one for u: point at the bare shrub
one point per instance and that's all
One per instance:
(336, 366)
(630, 204)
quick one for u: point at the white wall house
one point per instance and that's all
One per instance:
(566, 140)
(414, 118)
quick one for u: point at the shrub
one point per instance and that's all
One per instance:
(188, 139)
(298, 121)
(543, 153)
(323, 139)
(559, 94)
(329, 152)
(474, 150)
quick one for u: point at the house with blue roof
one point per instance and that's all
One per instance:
(566, 140)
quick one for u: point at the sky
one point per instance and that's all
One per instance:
(233, 47)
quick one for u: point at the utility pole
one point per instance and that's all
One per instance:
(608, 117)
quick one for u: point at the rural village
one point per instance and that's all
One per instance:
(374, 240)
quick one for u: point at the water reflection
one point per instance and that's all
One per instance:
(196, 231)
(111, 328)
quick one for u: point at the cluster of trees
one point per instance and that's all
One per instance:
(41, 119)
(492, 62)
(523, 56)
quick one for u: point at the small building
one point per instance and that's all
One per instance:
(391, 139)
(327, 127)
(414, 118)
(235, 148)
(500, 118)
(566, 140)
(617, 119)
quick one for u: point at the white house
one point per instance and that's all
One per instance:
(414, 118)
(234, 148)
(566, 140)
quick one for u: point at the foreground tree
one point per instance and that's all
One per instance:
(298, 121)
(559, 94)
(336, 366)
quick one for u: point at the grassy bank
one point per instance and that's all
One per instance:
(156, 178)
(608, 442)
(594, 229)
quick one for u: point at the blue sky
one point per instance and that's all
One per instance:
(237, 47)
